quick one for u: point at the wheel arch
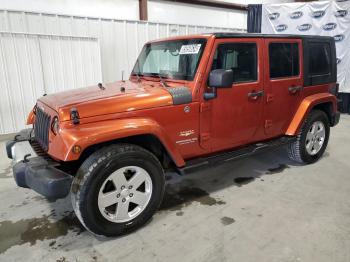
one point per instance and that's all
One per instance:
(323, 101)
(144, 132)
(326, 108)
(149, 142)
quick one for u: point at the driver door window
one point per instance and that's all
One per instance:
(240, 57)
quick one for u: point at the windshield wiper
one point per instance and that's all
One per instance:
(161, 78)
(164, 84)
(138, 75)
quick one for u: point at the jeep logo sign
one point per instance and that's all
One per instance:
(304, 27)
(341, 13)
(318, 14)
(339, 38)
(281, 28)
(329, 26)
(296, 15)
(274, 16)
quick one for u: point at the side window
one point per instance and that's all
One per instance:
(284, 60)
(320, 59)
(240, 57)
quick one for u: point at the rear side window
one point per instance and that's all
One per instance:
(240, 57)
(320, 59)
(284, 60)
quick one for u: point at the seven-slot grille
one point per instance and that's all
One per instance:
(42, 127)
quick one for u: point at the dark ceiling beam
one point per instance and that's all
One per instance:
(143, 10)
(217, 4)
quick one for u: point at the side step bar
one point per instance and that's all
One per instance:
(236, 154)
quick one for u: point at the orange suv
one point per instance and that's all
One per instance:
(189, 101)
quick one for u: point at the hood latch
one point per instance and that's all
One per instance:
(74, 116)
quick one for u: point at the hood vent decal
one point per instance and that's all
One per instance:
(181, 95)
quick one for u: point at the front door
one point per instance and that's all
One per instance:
(234, 117)
(283, 83)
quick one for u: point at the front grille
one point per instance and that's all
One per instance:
(39, 150)
(41, 128)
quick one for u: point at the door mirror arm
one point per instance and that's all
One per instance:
(211, 95)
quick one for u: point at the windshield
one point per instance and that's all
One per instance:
(170, 59)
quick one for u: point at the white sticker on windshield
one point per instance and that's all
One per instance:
(190, 49)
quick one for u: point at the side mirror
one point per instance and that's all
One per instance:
(221, 78)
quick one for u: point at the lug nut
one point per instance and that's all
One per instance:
(130, 187)
(118, 195)
(130, 195)
(123, 187)
(124, 200)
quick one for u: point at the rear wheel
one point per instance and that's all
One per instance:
(117, 189)
(312, 140)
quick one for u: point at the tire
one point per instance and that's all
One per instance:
(103, 170)
(298, 150)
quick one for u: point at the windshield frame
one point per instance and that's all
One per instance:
(136, 72)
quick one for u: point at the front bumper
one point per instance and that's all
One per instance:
(36, 172)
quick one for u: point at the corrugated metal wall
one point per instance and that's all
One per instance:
(38, 49)
(32, 65)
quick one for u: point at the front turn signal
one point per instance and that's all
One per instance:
(76, 149)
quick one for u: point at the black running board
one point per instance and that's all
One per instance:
(236, 154)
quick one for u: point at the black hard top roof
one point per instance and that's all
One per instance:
(254, 35)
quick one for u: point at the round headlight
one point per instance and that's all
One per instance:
(55, 125)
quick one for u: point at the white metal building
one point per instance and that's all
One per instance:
(53, 46)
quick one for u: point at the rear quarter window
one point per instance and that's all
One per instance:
(320, 66)
(320, 59)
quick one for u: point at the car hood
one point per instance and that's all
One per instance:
(123, 96)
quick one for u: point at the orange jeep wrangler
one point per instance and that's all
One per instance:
(189, 101)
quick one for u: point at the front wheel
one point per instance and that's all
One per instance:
(117, 189)
(312, 140)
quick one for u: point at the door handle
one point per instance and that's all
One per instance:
(294, 89)
(256, 95)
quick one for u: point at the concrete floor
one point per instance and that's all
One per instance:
(264, 208)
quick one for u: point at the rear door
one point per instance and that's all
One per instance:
(283, 83)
